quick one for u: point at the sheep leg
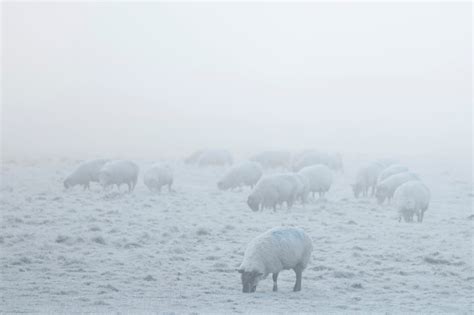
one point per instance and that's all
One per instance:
(129, 187)
(299, 271)
(289, 203)
(275, 286)
(420, 216)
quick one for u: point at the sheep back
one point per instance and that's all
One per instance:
(119, 172)
(319, 177)
(85, 173)
(410, 198)
(157, 176)
(247, 173)
(278, 249)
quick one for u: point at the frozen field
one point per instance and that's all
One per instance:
(90, 251)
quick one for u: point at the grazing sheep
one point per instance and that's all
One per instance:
(308, 158)
(85, 173)
(412, 198)
(391, 170)
(215, 157)
(273, 159)
(273, 190)
(244, 174)
(278, 249)
(366, 178)
(119, 172)
(158, 176)
(319, 178)
(302, 188)
(387, 187)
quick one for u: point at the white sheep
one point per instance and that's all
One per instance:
(215, 157)
(157, 176)
(319, 178)
(119, 172)
(302, 188)
(244, 174)
(278, 249)
(308, 158)
(412, 198)
(313, 157)
(387, 187)
(273, 159)
(85, 173)
(273, 190)
(391, 170)
(366, 178)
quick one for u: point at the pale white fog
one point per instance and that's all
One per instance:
(168, 157)
(135, 79)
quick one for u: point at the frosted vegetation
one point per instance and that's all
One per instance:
(179, 250)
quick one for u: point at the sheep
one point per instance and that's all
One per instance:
(273, 190)
(278, 249)
(411, 198)
(366, 178)
(119, 172)
(85, 173)
(244, 174)
(302, 188)
(319, 178)
(308, 158)
(215, 157)
(273, 159)
(391, 170)
(387, 187)
(158, 176)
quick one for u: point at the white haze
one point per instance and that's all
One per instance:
(155, 79)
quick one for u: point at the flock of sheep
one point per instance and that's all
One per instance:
(304, 174)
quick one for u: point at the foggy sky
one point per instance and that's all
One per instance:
(161, 79)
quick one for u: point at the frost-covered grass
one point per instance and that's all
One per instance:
(83, 251)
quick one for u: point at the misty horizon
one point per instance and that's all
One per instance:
(106, 79)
